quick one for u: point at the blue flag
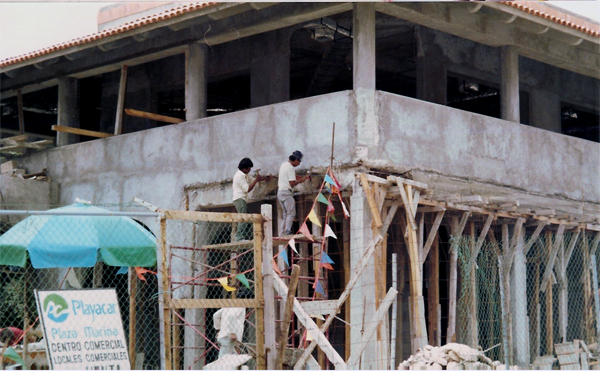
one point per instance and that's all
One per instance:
(326, 259)
(319, 288)
(329, 180)
(285, 257)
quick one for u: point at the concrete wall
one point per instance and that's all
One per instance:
(156, 164)
(417, 134)
(26, 194)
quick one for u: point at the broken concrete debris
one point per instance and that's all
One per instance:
(452, 356)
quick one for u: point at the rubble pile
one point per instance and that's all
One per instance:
(452, 356)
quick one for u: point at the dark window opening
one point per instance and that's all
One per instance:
(228, 95)
(580, 123)
(90, 98)
(473, 96)
(40, 109)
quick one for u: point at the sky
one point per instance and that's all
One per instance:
(28, 26)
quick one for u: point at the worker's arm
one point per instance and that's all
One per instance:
(299, 179)
(256, 180)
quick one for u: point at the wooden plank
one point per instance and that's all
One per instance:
(299, 238)
(371, 201)
(121, 101)
(552, 257)
(394, 313)
(20, 112)
(165, 294)
(572, 244)
(370, 331)
(268, 276)
(89, 133)
(432, 233)
(408, 207)
(287, 316)
(412, 183)
(153, 116)
(481, 239)
(596, 295)
(456, 231)
(595, 244)
(213, 303)
(311, 327)
(540, 225)
(375, 179)
(358, 270)
(199, 216)
(347, 277)
(14, 139)
(513, 245)
(549, 304)
(236, 246)
(389, 218)
(261, 360)
(434, 293)
(132, 315)
(320, 306)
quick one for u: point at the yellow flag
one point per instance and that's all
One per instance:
(313, 217)
(224, 283)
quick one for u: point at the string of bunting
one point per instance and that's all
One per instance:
(333, 187)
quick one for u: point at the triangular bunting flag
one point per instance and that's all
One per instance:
(12, 354)
(275, 267)
(140, 271)
(304, 230)
(319, 288)
(328, 186)
(325, 258)
(292, 244)
(284, 256)
(329, 180)
(224, 283)
(346, 213)
(332, 216)
(337, 184)
(317, 316)
(330, 208)
(243, 280)
(329, 232)
(312, 216)
(326, 266)
(322, 199)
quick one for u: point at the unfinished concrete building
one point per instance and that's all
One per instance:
(452, 120)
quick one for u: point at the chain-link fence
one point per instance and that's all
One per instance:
(522, 295)
(212, 260)
(93, 272)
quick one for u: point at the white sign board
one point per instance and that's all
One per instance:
(83, 330)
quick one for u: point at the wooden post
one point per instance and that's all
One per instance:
(164, 303)
(505, 325)
(596, 295)
(268, 288)
(347, 272)
(287, 316)
(121, 101)
(316, 252)
(456, 232)
(472, 323)
(261, 360)
(132, 315)
(394, 312)
(176, 340)
(20, 112)
(548, 291)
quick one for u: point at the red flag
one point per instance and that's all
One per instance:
(140, 271)
(304, 230)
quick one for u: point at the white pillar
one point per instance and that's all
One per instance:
(509, 89)
(195, 82)
(364, 75)
(362, 298)
(68, 110)
(518, 304)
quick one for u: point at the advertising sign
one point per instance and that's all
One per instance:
(83, 329)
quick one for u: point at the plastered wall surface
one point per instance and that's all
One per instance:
(156, 164)
(449, 141)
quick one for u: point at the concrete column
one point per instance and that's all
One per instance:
(431, 69)
(270, 69)
(68, 109)
(362, 298)
(518, 306)
(363, 30)
(545, 110)
(509, 89)
(195, 82)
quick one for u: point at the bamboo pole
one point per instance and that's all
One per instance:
(347, 271)
(287, 316)
(268, 286)
(165, 293)
(261, 361)
(394, 312)
(549, 304)
(153, 116)
(20, 112)
(132, 315)
(121, 101)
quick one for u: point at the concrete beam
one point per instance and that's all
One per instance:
(215, 32)
(455, 19)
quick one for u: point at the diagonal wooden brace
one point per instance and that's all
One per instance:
(552, 257)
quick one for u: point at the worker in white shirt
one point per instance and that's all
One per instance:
(288, 180)
(241, 186)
